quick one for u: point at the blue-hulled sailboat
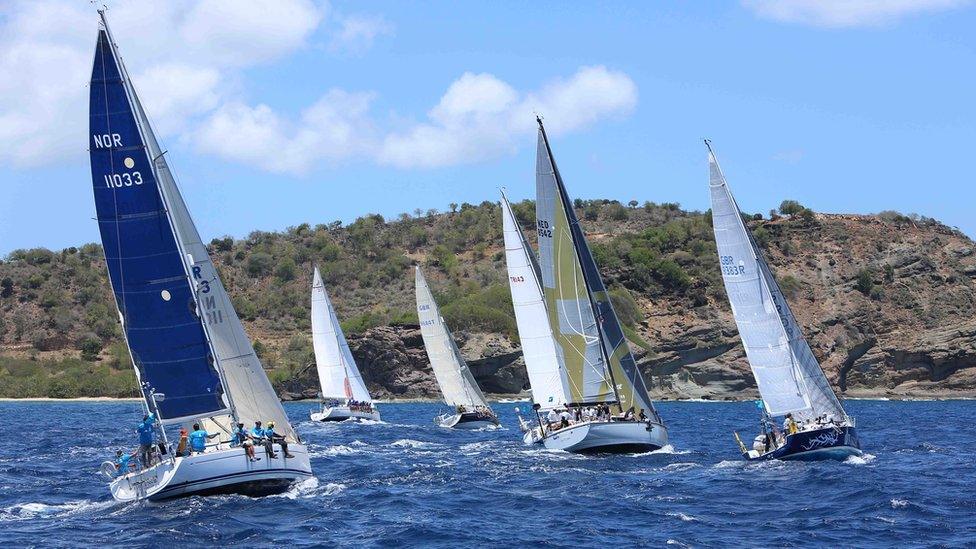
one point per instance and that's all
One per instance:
(792, 383)
(193, 360)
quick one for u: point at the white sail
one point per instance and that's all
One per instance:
(788, 375)
(453, 376)
(251, 394)
(547, 377)
(338, 374)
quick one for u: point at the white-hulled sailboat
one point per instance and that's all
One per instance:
(458, 386)
(192, 357)
(588, 393)
(790, 379)
(344, 394)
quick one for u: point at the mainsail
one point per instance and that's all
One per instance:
(589, 336)
(455, 379)
(338, 374)
(789, 377)
(160, 269)
(547, 376)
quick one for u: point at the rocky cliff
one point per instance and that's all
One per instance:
(887, 302)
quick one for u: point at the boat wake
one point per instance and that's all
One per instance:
(666, 449)
(863, 459)
(27, 511)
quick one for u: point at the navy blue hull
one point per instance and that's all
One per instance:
(468, 417)
(837, 443)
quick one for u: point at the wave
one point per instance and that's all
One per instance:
(862, 459)
(27, 511)
(411, 443)
(666, 449)
(683, 517)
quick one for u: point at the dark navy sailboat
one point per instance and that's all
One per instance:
(792, 383)
(193, 360)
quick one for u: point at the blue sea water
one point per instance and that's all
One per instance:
(405, 481)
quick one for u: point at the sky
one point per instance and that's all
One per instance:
(280, 113)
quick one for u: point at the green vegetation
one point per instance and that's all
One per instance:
(59, 332)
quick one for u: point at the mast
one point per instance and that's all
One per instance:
(563, 198)
(148, 138)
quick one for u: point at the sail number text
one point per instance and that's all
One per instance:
(730, 268)
(117, 180)
(544, 229)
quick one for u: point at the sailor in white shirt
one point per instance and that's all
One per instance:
(553, 416)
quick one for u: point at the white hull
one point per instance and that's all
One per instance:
(453, 421)
(217, 471)
(603, 436)
(342, 413)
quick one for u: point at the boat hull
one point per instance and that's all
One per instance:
(343, 413)
(829, 443)
(216, 472)
(466, 421)
(603, 437)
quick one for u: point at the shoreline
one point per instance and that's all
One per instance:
(504, 400)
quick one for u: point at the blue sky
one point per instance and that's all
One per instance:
(315, 112)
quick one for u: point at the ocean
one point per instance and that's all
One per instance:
(406, 482)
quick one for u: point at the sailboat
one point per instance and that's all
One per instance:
(344, 395)
(192, 358)
(458, 386)
(588, 395)
(790, 379)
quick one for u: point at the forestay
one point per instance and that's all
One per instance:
(547, 377)
(789, 377)
(453, 376)
(149, 278)
(338, 374)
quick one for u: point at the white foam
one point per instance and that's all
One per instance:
(666, 449)
(410, 443)
(683, 517)
(863, 459)
(899, 503)
(339, 450)
(682, 466)
(26, 511)
(301, 489)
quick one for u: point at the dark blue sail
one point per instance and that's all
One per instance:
(621, 360)
(169, 346)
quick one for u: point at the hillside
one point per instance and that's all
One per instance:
(888, 302)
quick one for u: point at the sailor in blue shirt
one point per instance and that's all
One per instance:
(242, 438)
(122, 463)
(261, 437)
(198, 438)
(145, 430)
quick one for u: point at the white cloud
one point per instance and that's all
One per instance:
(846, 13)
(182, 54)
(357, 33)
(481, 117)
(333, 129)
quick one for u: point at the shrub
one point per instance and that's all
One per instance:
(889, 273)
(807, 215)
(259, 264)
(286, 270)
(790, 207)
(864, 281)
(90, 348)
